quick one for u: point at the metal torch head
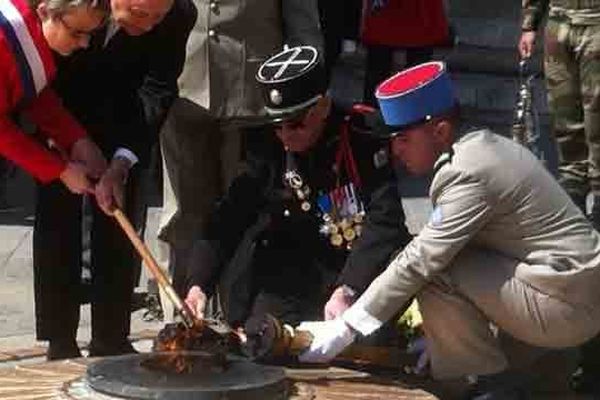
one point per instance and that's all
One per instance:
(271, 339)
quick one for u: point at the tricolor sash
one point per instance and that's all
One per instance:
(32, 74)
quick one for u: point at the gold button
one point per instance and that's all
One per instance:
(213, 5)
(212, 33)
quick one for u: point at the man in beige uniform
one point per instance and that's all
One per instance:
(505, 245)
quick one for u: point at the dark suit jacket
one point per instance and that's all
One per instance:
(121, 92)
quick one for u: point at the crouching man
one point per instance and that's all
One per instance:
(317, 184)
(505, 246)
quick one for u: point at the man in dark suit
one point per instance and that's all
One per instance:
(120, 88)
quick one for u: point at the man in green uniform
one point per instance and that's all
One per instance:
(572, 68)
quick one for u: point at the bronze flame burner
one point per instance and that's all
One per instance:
(135, 377)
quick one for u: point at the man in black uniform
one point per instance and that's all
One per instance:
(280, 240)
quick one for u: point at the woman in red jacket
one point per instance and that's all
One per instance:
(28, 35)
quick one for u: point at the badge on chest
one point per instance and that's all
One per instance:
(342, 213)
(340, 210)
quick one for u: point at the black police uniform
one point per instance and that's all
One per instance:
(269, 255)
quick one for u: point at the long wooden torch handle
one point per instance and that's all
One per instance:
(155, 270)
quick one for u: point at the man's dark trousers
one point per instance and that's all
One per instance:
(57, 266)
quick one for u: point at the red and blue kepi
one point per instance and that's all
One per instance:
(414, 96)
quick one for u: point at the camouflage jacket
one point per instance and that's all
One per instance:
(577, 12)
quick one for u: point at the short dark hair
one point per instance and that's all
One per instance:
(60, 7)
(453, 114)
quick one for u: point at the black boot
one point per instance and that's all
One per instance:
(587, 378)
(506, 385)
(62, 349)
(99, 348)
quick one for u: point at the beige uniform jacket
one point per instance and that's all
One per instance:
(229, 41)
(493, 194)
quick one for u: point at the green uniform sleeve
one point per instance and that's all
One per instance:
(533, 11)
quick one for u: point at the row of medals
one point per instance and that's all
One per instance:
(341, 210)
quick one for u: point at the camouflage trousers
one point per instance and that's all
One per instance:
(572, 68)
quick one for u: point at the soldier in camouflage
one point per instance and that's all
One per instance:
(572, 68)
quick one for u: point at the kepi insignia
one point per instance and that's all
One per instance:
(275, 97)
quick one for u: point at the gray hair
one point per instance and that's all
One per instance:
(60, 7)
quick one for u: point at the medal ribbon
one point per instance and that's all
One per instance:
(345, 156)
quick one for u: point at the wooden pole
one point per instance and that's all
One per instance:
(153, 267)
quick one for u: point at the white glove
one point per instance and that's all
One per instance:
(329, 339)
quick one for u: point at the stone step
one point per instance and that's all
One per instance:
(469, 58)
(494, 92)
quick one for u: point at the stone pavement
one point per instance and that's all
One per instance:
(17, 318)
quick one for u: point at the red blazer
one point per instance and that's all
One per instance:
(26, 68)
(404, 23)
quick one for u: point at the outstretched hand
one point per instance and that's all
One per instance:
(329, 339)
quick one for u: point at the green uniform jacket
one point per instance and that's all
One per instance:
(580, 12)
